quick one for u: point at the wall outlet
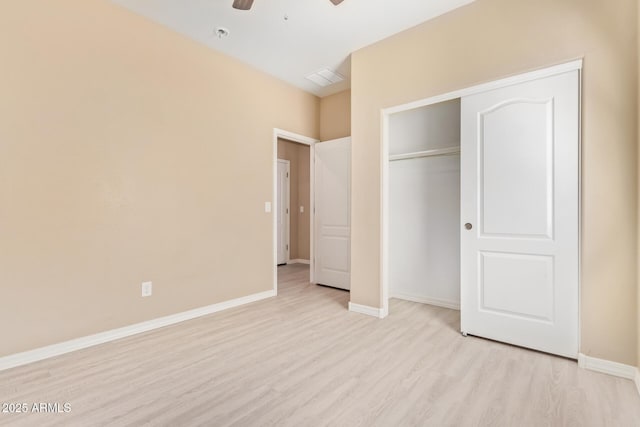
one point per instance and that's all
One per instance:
(301, 209)
(147, 289)
(267, 207)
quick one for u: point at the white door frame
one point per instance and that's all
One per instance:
(301, 139)
(385, 113)
(287, 221)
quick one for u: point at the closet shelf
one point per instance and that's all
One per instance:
(427, 153)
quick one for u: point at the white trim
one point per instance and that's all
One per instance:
(290, 136)
(384, 211)
(299, 261)
(19, 359)
(454, 305)
(484, 87)
(380, 313)
(607, 367)
(385, 113)
(312, 211)
(580, 209)
(636, 380)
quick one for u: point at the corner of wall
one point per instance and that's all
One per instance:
(638, 190)
(335, 116)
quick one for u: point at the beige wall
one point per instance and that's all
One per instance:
(335, 116)
(128, 153)
(638, 124)
(490, 39)
(298, 156)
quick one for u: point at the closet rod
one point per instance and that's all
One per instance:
(427, 153)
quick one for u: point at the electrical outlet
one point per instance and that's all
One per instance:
(147, 289)
(301, 209)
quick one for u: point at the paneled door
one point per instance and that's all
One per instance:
(333, 213)
(520, 214)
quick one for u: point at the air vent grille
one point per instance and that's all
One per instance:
(325, 77)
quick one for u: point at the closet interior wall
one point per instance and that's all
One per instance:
(424, 204)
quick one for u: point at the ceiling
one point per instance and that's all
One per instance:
(291, 39)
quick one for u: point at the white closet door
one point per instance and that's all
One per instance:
(520, 200)
(333, 213)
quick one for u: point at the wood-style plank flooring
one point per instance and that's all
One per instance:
(301, 359)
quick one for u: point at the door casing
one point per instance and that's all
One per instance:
(301, 139)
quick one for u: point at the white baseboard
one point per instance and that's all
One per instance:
(454, 305)
(380, 313)
(608, 367)
(636, 380)
(299, 261)
(53, 350)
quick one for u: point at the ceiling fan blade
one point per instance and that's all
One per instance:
(336, 2)
(245, 4)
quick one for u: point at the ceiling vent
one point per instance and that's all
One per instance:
(325, 77)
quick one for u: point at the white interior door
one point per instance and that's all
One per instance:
(520, 203)
(333, 213)
(283, 210)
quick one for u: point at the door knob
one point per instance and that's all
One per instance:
(468, 226)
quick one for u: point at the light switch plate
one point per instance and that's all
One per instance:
(147, 289)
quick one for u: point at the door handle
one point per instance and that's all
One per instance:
(468, 226)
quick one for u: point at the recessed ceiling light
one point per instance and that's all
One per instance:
(222, 32)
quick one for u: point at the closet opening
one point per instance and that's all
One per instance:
(423, 205)
(481, 188)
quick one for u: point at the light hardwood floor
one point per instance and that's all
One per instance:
(301, 359)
